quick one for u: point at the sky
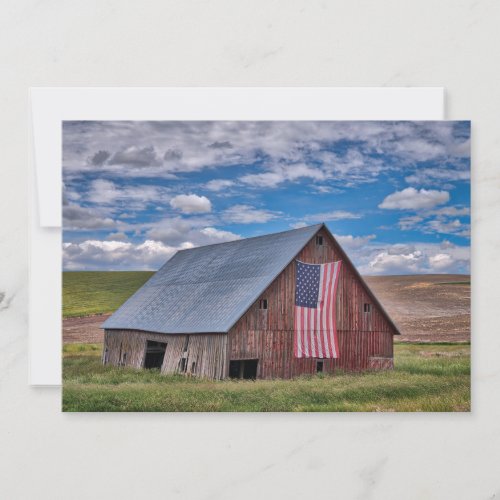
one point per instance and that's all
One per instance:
(396, 195)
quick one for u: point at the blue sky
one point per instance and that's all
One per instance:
(395, 194)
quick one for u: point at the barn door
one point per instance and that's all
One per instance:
(155, 352)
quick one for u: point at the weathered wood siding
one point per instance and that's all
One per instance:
(205, 355)
(361, 335)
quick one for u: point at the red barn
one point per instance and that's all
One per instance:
(227, 310)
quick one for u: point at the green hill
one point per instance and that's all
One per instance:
(99, 292)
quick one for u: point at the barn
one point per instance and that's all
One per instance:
(227, 310)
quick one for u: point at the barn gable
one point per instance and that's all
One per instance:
(210, 289)
(365, 331)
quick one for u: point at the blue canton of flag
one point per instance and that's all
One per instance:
(307, 289)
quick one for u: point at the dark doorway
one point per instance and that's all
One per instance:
(243, 368)
(155, 352)
(319, 366)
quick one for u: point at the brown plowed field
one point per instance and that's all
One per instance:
(426, 308)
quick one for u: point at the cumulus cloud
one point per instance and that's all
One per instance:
(246, 214)
(349, 242)
(115, 255)
(99, 158)
(331, 216)
(217, 234)
(438, 221)
(410, 222)
(219, 184)
(136, 157)
(76, 217)
(414, 199)
(411, 258)
(191, 203)
(116, 252)
(426, 176)
(118, 236)
(284, 172)
(106, 192)
(172, 155)
(221, 145)
(196, 231)
(397, 263)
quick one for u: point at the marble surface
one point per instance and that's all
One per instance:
(45, 454)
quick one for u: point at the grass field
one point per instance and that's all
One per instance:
(94, 292)
(427, 377)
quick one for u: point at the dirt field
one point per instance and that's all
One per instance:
(426, 308)
(84, 330)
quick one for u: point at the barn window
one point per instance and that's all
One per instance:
(319, 366)
(186, 343)
(319, 240)
(367, 308)
(193, 366)
(263, 304)
(155, 352)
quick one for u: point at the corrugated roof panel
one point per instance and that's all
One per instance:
(207, 289)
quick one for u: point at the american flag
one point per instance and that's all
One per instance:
(315, 294)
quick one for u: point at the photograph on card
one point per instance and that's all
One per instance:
(267, 266)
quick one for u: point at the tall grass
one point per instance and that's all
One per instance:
(427, 377)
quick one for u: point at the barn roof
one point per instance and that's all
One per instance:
(207, 289)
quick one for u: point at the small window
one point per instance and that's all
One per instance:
(319, 240)
(367, 308)
(193, 366)
(263, 304)
(186, 343)
(319, 366)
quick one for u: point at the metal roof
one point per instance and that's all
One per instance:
(207, 289)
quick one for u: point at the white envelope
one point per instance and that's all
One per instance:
(51, 106)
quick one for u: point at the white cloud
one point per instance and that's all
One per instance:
(440, 261)
(218, 234)
(113, 254)
(411, 258)
(109, 255)
(135, 156)
(191, 204)
(246, 214)
(349, 242)
(118, 236)
(266, 179)
(219, 184)
(280, 173)
(331, 216)
(414, 199)
(106, 192)
(76, 217)
(410, 222)
(433, 175)
(394, 263)
(195, 230)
